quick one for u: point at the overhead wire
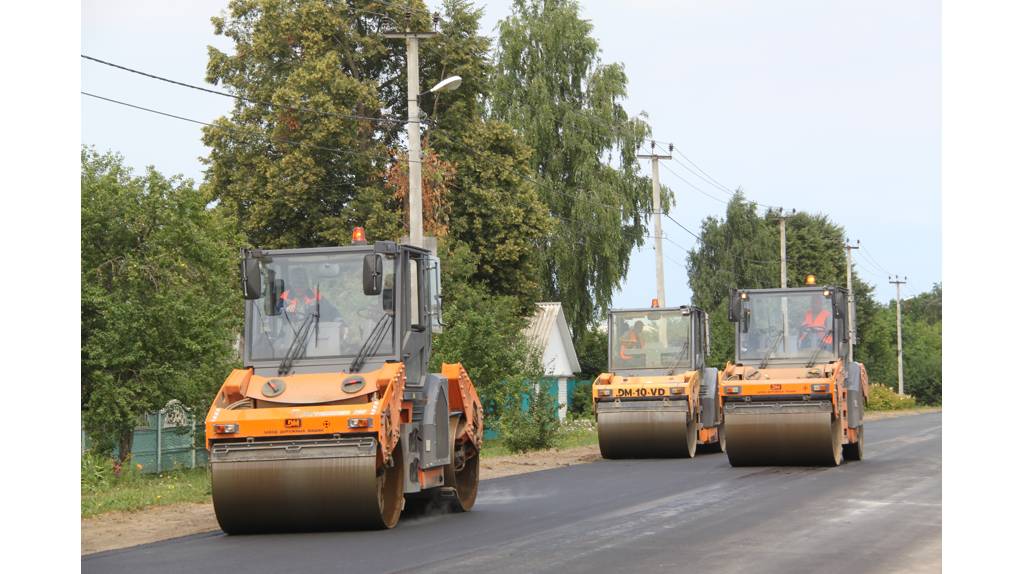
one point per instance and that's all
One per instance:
(338, 151)
(244, 98)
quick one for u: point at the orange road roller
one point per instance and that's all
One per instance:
(659, 400)
(336, 421)
(793, 395)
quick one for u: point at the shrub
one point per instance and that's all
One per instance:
(535, 429)
(581, 404)
(883, 398)
(97, 470)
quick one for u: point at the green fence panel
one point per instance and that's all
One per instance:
(158, 447)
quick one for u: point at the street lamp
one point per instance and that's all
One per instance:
(446, 85)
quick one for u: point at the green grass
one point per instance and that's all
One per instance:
(581, 432)
(135, 491)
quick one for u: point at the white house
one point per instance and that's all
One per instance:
(548, 332)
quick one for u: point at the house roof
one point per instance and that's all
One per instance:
(548, 321)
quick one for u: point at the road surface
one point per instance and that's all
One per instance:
(879, 515)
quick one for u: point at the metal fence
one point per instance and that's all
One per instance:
(168, 439)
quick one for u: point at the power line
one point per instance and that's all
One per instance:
(699, 190)
(345, 152)
(704, 177)
(715, 183)
(673, 220)
(242, 98)
(872, 259)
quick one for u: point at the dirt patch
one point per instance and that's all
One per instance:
(498, 466)
(122, 529)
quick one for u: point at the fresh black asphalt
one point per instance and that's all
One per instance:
(882, 514)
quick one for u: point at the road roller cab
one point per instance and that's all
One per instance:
(335, 419)
(659, 399)
(790, 396)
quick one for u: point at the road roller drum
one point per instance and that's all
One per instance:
(647, 429)
(782, 434)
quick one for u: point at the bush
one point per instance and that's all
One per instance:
(581, 403)
(535, 429)
(883, 398)
(97, 470)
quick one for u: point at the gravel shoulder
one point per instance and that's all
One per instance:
(114, 530)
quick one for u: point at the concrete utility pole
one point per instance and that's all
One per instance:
(782, 217)
(899, 329)
(659, 265)
(851, 318)
(412, 61)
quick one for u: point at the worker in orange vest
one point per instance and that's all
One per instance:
(299, 297)
(632, 339)
(817, 322)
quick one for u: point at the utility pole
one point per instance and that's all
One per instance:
(659, 265)
(782, 217)
(899, 330)
(412, 61)
(851, 318)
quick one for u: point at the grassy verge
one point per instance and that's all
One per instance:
(134, 491)
(581, 432)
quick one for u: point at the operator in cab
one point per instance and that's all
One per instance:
(631, 340)
(298, 296)
(814, 330)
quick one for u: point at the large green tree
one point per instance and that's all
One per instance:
(302, 157)
(739, 250)
(160, 306)
(551, 85)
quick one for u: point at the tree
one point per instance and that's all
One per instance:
(496, 209)
(160, 311)
(552, 87)
(737, 251)
(302, 158)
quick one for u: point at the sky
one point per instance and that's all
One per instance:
(829, 107)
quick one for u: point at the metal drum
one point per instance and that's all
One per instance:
(645, 429)
(783, 433)
(304, 485)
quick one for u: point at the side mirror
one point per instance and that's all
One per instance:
(373, 274)
(745, 323)
(734, 306)
(251, 287)
(275, 287)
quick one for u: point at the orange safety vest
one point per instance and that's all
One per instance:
(291, 304)
(820, 321)
(629, 341)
